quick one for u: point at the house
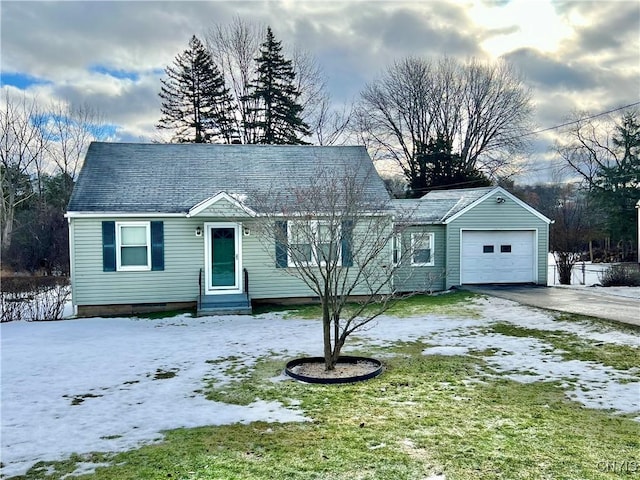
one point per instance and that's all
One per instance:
(168, 226)
(470, 236)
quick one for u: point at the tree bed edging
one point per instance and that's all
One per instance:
(333, 380)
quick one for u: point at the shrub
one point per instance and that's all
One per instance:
(621, 275)
(33, 298)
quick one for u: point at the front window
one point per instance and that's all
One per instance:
(133, 246)
(422, 249)
(300, 243)
(312, 243)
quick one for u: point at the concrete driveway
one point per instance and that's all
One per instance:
(584, 301)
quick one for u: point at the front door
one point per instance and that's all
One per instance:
(222, 257)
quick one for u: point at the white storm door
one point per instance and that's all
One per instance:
(223, 264)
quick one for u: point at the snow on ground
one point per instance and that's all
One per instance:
(110, 369)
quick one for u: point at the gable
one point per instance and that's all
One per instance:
(498, 205)
(221, 205)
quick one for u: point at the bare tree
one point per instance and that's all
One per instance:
(71, 129)
(327, 125)
(480, 109)
(570, 230)
(235, 48)
(330, 126)
(22, 146)
(605, 155)
(336, 238)
(40, 154)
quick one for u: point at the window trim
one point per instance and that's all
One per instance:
(431, 238)
(119, 246)
(315, 254)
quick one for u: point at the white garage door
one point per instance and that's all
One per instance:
(494, 256)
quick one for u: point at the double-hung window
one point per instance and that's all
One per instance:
(313, 243)
(396, 248)
(133, 246)
(422, 249)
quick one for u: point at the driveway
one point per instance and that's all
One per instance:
(588, 301)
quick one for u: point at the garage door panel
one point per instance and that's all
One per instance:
(498, 256)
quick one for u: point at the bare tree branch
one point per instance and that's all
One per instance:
(337, 240)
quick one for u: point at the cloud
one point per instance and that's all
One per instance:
(111, 55)
(602, 29)
(544, 71)
(50, 38)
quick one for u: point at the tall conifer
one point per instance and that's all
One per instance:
(278, 113)
(196, 104)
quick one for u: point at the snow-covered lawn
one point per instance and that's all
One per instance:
(112, 384)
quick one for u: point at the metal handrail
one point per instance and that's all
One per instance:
(200, 292)
(246, 281)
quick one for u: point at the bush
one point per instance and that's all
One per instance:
(621, 275)
(33, 298)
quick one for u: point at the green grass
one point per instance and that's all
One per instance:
(600, 324)
(455, 303)
(424, 415)
(572, 347)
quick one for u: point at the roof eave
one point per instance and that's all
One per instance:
(119, 214)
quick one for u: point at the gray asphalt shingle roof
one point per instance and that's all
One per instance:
(172, 178)
(439, 205)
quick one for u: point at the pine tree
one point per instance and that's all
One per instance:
(195, 101)
(278, 113)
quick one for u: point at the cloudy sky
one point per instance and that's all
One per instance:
(575, 55)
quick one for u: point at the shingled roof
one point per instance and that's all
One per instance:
(439, 205)
(173, 178)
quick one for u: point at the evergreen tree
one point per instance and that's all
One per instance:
(278, 113)
(605, 153)
(616, 186)
(195, 101)
(437, 167)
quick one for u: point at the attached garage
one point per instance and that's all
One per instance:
(498, 256)
(478, 236)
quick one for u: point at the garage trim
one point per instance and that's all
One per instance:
(535, 247)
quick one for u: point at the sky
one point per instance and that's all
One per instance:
(574, 55)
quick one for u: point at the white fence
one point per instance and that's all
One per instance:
(583, 273)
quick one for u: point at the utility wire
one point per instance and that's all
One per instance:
(555, 127)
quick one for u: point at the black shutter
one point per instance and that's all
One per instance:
(281, 244)
(108, 246)
(157, 246)
(347, 242)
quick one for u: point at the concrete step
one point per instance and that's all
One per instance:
(227, 304)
